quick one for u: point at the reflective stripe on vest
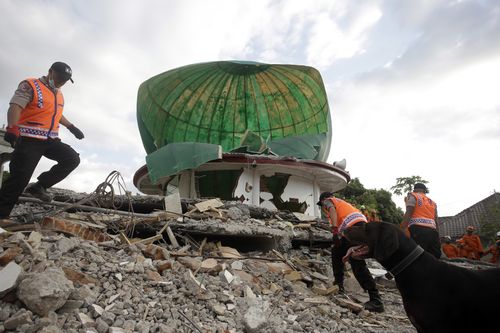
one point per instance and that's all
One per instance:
(40, 118)
(350, 220)
(424, 213)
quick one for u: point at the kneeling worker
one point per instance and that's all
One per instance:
(341, 216)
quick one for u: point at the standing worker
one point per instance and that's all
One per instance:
(341, 216)
(470, 243)
(34, 115)
(450, 249)
(495, 251)
(420, 219)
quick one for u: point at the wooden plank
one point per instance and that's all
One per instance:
(209, 204)
(172, 238)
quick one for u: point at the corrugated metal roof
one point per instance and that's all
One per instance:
(475, 215)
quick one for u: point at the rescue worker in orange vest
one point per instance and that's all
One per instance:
(450, 249)
(471, 246)
(341, 216)
(495, 251)
(420, 219)
(34, 115)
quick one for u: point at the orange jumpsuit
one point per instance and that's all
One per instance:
(495, 252)
(451, 250)
(471, 246)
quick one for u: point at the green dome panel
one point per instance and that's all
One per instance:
(217, 102)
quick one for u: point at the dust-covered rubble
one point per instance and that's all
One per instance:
(93, 272)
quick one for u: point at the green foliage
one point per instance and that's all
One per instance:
(379, 200)
(404, 185)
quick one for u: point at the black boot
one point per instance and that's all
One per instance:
(38, 191)
(375, 302)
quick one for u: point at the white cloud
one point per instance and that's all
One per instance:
(400, 75)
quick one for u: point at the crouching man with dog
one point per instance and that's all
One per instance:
(342, 216)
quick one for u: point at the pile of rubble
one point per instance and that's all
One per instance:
(179, 272)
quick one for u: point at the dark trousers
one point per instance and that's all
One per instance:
(23, 162)
(427, 238)
(361, 272)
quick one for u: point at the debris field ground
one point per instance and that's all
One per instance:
(230, 268)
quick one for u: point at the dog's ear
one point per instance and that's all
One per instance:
(356, 234)
(383, 239)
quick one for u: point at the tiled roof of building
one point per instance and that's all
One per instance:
(476, 215)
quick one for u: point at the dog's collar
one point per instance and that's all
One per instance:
(407, 260)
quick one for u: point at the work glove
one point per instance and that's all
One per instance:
(11, 135)
(76, 132)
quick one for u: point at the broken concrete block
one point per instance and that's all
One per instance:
(97, 310)
(66, 244)
(163, 265)
(248, 293)
(237, 265)
(15, 238)
(192, 282)
(35, 239)
(85, 320)
(255, 319)
(279, 267)
(226, 276)
(209, 265)
(190, 262)
(9, 277)
(154, 276)
(154, 252)
(173, 203)
(45, 292)
(244, 276)
(219, 309)
(9, 255)
(18, 319)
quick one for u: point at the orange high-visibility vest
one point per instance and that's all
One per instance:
(347, 215)
(40, 119)
(425, 211)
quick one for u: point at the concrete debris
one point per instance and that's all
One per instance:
(9, 277)
(17, 320)
(234, 270)
(45, 292)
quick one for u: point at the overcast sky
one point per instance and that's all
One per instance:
(413, 86)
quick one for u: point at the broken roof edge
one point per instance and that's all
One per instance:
(176, 157)
(325, 168)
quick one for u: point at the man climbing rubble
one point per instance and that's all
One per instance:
(341, 216)
(470, 245)
(34, 115)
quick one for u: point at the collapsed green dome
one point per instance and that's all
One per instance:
(218, 102)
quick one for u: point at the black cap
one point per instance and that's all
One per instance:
(420, 186)
(323, 196)
(63, 69)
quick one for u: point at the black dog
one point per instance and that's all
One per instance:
(437, 296)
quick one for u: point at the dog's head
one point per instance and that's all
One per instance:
(379, 239)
